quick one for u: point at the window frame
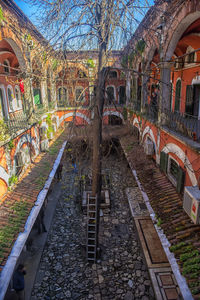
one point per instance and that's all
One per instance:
(173, 180)
(61, 102)
(108, 86)
(8, 66)
(83, 94)
(112, 72)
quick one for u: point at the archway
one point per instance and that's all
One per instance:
(18, 53)
(178, 32)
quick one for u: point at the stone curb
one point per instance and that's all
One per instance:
(185, 291)
(9, 267)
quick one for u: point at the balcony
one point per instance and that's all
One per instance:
(185, 124)
(16, 122)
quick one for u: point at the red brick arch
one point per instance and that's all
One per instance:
(185, 18)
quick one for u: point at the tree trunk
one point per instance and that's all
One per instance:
(97, 134)
(97, 124)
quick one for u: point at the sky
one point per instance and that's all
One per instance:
(31, 13)
(27, 9)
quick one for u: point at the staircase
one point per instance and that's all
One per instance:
(91, 246)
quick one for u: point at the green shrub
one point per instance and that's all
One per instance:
(177, 246)
(4, 133)
(11, 144)
(186, 256)
(12, 180)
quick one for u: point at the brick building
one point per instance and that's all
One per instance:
(163, 88)
(36, 83)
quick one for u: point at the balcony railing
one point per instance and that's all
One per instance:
(16, 122)
(185, 124)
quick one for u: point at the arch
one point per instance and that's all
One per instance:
(24, 140)
(136, 124)
(114, 113)
(77, 114)
(150, 54)
(172, 148)
(147, 131)
(4, 175)
(18, 53)
(178, 32)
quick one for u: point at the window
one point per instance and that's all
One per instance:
(81, 74)
(49, 95)
(6, 66)
(178, 96)
(179, 64)
(62, 97)
(122, 95)
(173, 170)
(189, 103)
(10, 97)
(3, 105)
(37, 97)
(80, 96)
(18, 96)
(110, 94)
(191, 58)
(112, 74)
(18, 163)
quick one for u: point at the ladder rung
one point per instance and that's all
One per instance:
(91, 239)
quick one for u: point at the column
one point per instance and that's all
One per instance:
(128, 87)
(44, 89)
(165, 91)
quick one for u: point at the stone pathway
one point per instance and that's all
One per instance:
(121, 273)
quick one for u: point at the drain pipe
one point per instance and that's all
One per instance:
(9, 267)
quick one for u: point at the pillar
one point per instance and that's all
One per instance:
(44, 89)
(128, 87)
(164, 99)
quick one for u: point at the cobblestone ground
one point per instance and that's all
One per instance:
(121, 273)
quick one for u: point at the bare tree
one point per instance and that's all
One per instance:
(86, 24)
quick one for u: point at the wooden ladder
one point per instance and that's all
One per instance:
(91, 246)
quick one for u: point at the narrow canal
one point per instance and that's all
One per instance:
(121, 272)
